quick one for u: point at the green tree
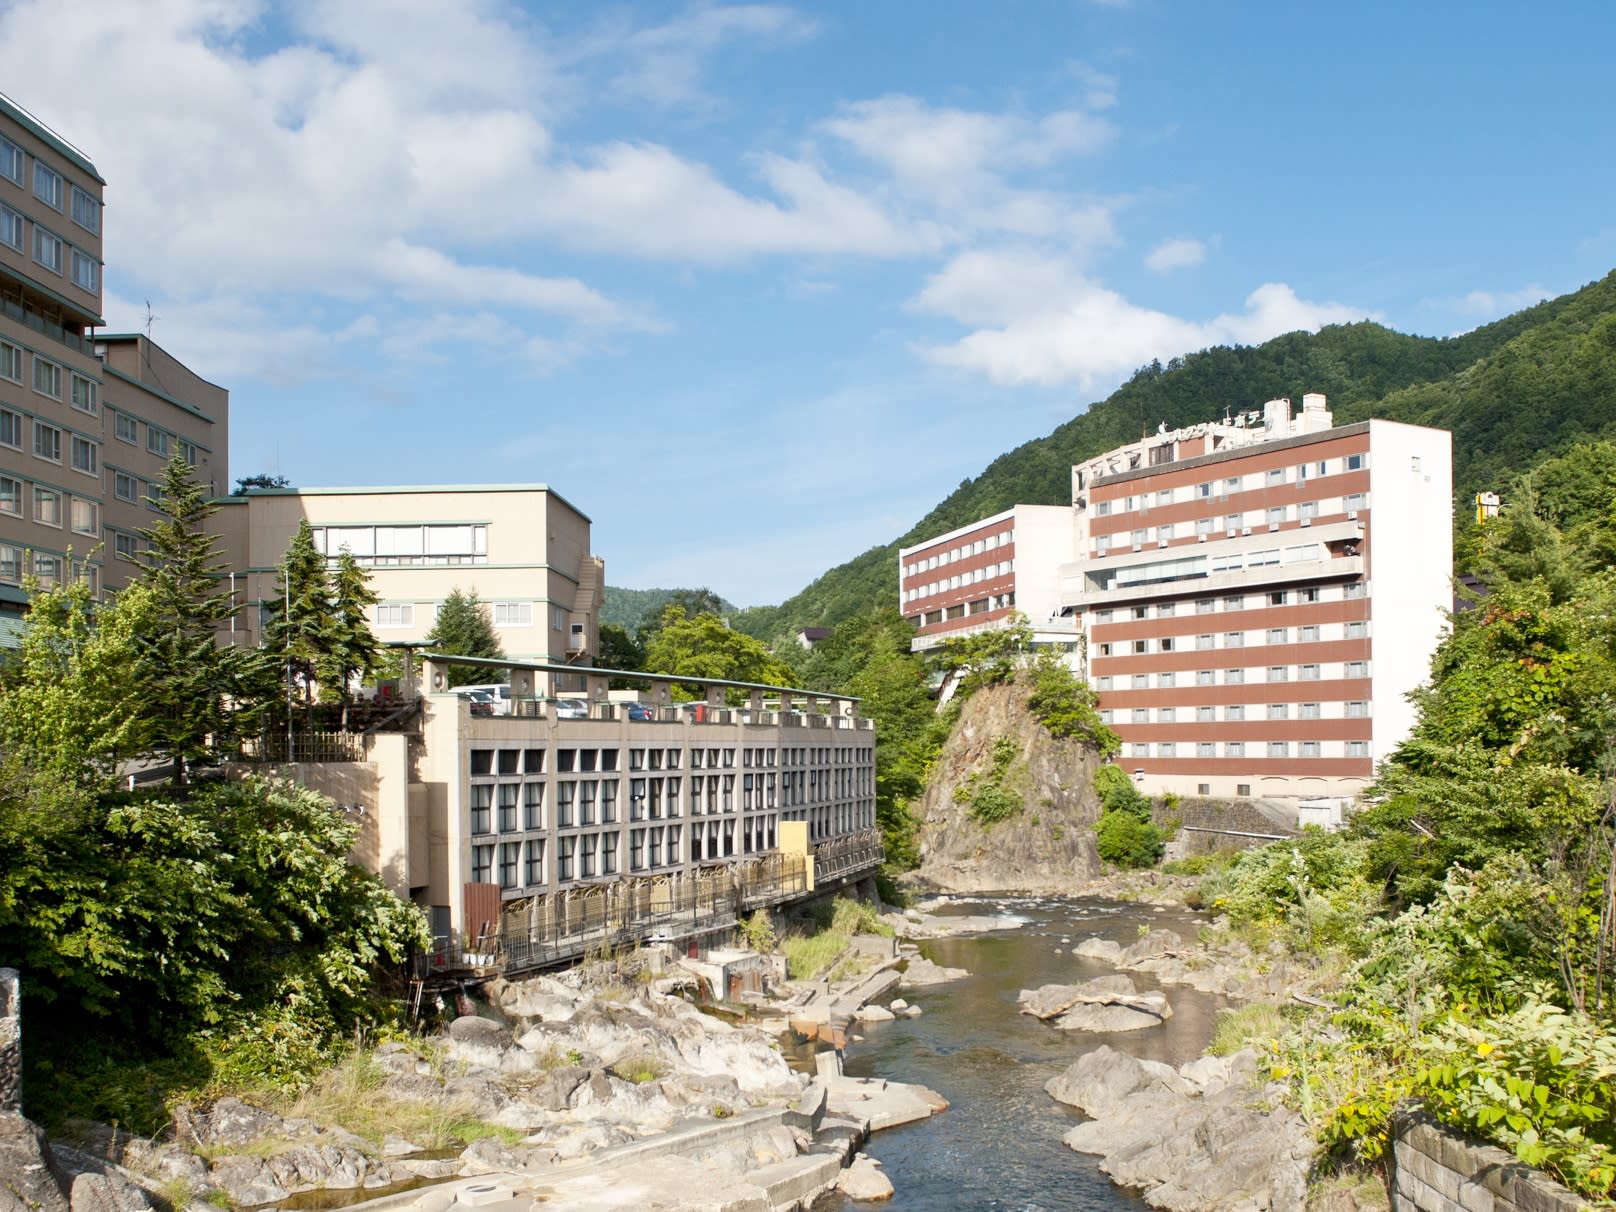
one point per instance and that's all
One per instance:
(703, 647)
(299, 624)
(69, 712)
(464, 627)
(200, 695)
(354, 648)
(261, 480)
(983, 658)
(688, 602)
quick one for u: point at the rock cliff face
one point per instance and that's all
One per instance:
(1046, 843)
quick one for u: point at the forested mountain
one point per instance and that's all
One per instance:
(629, 608)
(1513, 392)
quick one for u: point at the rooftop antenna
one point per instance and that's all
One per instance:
(151, 318)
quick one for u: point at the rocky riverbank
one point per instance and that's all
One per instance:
(559, 1081)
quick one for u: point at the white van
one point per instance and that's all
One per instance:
(498, 693)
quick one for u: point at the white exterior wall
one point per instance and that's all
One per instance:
(1411, 567)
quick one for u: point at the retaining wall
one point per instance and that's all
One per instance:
(1236, 816)
(1436, 1170)
(10, 1043)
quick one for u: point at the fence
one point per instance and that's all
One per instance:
(848, 856)
(306, 746)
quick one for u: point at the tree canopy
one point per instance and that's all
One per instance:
(465, 627)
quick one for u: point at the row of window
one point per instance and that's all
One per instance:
(508, 762)
(49, 378)
(964, 551)
(1240, 749)
(1304, 595)
(1234, 712)
(960, 580)
(49, 442)
(1308, 633)
(1233, 524)
(50, 506)
(50, 187)
(960, 610)
(413, 544)
(1218, 490)
(1307, 672)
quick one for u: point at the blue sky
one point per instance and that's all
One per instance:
(754, 286)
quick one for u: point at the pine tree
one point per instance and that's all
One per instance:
(201, 696)
(298, 623)
(464, 628)
(354, 647)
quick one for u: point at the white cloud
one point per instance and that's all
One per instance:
(1490, 305)
(1039, 320)
(1176, 254)
(666, 61)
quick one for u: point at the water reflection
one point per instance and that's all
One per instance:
(998, 1146)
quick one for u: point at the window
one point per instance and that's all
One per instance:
(126, 428)
(1309, 673)
(513, 614)
(1205, 606)
(1204, 642)
(1236, 749)
(1166, 610)
(395, 614)
(1205, 715)
(1233, 677)
(125, 486)
(1167, 749)
(10, 429)
(47, 249)
(47, 442)
(1279, 635)
(482, 805)
(1276, 517)
(1140, 749)
(1141, 681)
(1353, 589)
(1204, 677)
(82, 394)
(1353, 502)
(47, 506)
(86, 272)
(533, 872)
(158, 443)
(1276, 475)
(1141, 715)
(1167, 715)
(1140, 645)
(1307, 510)
(10, 495)
(1355, 462)
(1140, 612)
(1278, 673)
(47, 378)
(86, 210)
(10, 361)
(123, 546)
(1357, 748)
(1310, 594)
(1235, 602)
(11, 228)
(1203, 491)
(532, 806)
(1103, 683)
(1166, 680)
(1234, 639)
(1357, 669)
(565, 849)
(1310, 711)
(1308, 634)
(1357, 630)
(1279, 711)
(83, 515)
(1203, 525)
(11, 161)
(47, 569)
(1205, 749)
(84, 458)
(508, 795)
(1279, 749)
(1233, 522)
(1357, 709)
(10, 562)
(509, 852)
(48, 185)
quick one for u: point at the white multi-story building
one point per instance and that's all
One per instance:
(1249, 629)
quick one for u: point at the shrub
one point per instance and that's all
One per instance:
(1118, 794)
(1124, 840)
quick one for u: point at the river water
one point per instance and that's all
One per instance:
(998, 1146)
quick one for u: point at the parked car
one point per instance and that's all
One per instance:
(637, 711)
(480, 701)
(571, 709)
(497, 694)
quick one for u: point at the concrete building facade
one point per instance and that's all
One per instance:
(1250, 631)
(523, 548)
(87, 420)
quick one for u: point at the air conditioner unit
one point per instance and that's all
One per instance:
(1307, 521)
(1161, 542)
(1352, 515)
(1200, 538)
(1273, 526)
(1246, 531)
(1138, 547)
(1228, 534)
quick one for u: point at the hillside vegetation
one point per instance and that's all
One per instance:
(1513, 392)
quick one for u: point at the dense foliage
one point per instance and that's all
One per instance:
(702, 646)
(1531, 384)
(191, 934)
(1124, 835)
(632, 609)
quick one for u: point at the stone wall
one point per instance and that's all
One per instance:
(1436, 1170)
(1230, 818)
(10, 1043)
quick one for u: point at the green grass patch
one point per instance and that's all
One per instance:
(1249, 1026)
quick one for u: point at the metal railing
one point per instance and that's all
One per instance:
(316, 746)
(844, 856)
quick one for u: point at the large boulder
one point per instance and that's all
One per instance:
(30, 1179)
(1107, 1003)
(1098, 1082)
(863, 1180)
(231, 1123)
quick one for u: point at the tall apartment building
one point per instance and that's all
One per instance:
(86, 420)
(1249, 629)
(523, 548)
(974, 577)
